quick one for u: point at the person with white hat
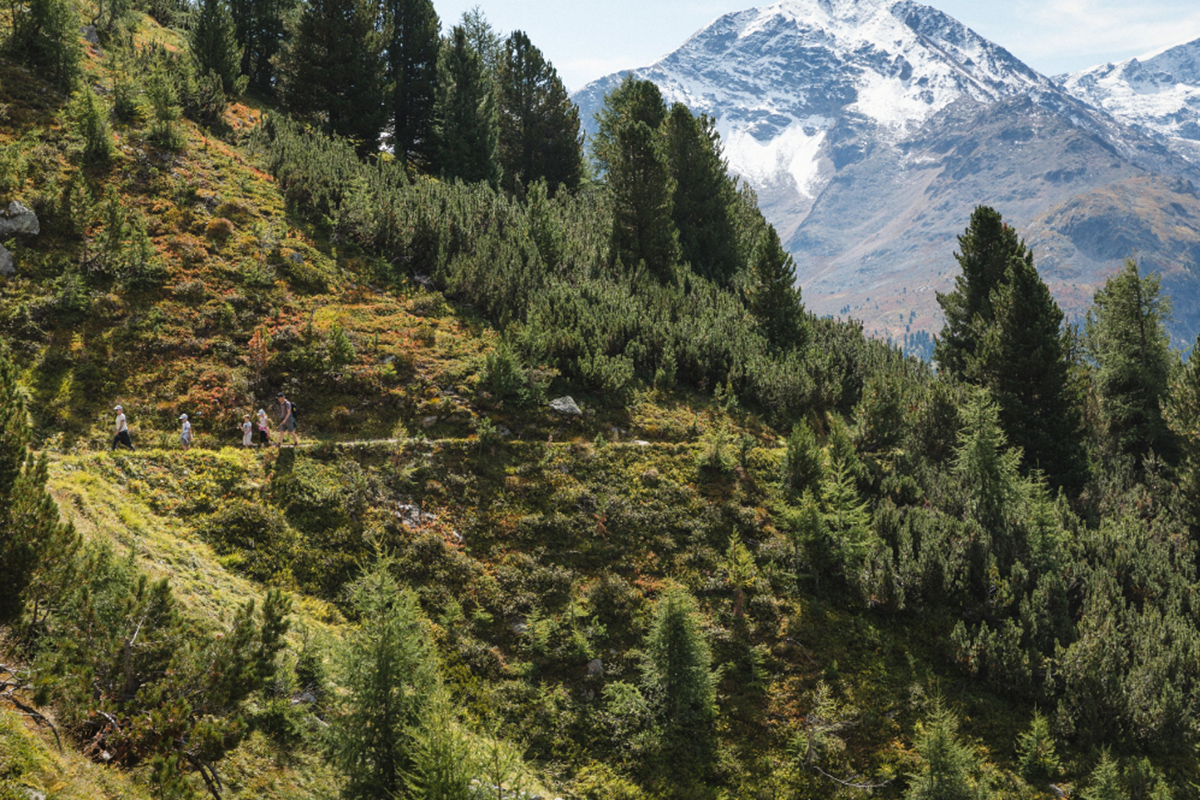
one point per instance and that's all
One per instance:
(121, 434)
(185, 437)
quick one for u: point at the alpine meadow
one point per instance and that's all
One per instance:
(369, 431)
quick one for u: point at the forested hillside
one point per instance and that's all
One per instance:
(586, 505)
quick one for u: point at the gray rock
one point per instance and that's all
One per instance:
(18, 219)
(595, 668)
(297, 258)
(429, 422)
(6, 263)
(520, 629)
(411, 515)
(88, 32)
(565, 405)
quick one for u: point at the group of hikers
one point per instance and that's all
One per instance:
(287, 424)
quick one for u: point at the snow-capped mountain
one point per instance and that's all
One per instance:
(870, 130)
(1158, 92)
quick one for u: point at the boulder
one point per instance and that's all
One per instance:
(595, 668)
(88, 32)
(6, 263)
(18, 219)
(565, 405)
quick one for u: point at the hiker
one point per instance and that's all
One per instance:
(264, 428)
(185, 436)
(287, 420)
(121, 434)
(247, 431)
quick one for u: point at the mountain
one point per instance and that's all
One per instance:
(871, 129)
(1158, 93)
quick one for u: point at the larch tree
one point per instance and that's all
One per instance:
(464, 116)
(332, 70)
(539, 134)
(45, 35)
(214, 45)
(411, 55)
(1126, 338)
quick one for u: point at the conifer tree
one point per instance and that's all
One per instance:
(411, 54)
(538, 124)
(484, 39)
(1125, 336)
(680, 683)
(774, 295)
(1181, 413)
(632, 101)
(465, 130)
(332, 70)
(642, 190)
(948, 767)
(260, 33)
(704, 195)
(1021, 359)
(390, 674)
(45, 35)
(985, 250)
(214, 45)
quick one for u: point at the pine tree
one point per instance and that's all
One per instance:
(774, 295)
(465, 130)
(332, 70)
(390, 674)
(213, 41)
(680, 683)
(484, 40)
(1181, 413)
(1125, 336)
(538, 124)
(1021, 359)
(45, 35)
(641, 189)
(985, 250)
(704, 195)
(260, 34)
(411, 55)
(32, 539)
(1104, 782)
(632, 101)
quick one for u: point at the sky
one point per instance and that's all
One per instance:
(588, 39)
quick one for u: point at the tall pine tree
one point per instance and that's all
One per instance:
(775, 295)
(260, 34)
(214, 45)
(1021, 358)
(411, 53)
(538, 124)
(332, 70)
(632, 101)
(704, 195)
(464, 117)
(984, 253)
(1125, 336)
(642, 191)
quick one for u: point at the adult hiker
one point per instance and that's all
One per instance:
(121, 433)
(287, 420)
(185, 435)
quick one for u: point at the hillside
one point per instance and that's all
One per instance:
(756, 555)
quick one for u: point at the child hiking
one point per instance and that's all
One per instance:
(264, 428)
(247, 432)
(121, 432)
(287, 420)
(185, 435)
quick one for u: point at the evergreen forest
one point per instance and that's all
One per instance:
(586, 504)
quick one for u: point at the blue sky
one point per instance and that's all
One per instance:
(587, 39)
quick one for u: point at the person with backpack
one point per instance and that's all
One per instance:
(287, 420)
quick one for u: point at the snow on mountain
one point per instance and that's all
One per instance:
(778, 78)
(1158, 92)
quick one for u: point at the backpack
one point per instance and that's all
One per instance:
(295, 413)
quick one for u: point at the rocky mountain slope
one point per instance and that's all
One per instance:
(870, 129)
(1158, 93)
